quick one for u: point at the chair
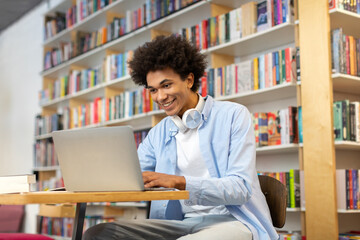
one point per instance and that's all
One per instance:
(276, 196)
(11, 221)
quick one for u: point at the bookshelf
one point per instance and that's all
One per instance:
(321, 155)
(272, 39)
(321, 216)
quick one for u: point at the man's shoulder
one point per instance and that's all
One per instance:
(162, 125)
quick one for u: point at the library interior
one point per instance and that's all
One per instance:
(290, 69)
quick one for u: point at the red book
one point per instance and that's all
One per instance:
(351, 194)
(139, 24)
(107, 109)
(96, 110)
(204, 86)
(274, 137)
(147, 100)
(204, 34)
(288, 64)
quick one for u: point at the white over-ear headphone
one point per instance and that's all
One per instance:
(191, 118)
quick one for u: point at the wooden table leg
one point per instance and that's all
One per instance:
(79, 221)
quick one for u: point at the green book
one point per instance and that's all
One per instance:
(287, 189)
(337, 112)
(292, 188)
(283, 66)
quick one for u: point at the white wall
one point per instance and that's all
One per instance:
(20, 64)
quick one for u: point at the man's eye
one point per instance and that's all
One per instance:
(167, 85)
(152, 90)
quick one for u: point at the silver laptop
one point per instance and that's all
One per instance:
(98, 159)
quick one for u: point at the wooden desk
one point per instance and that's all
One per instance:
(84, 197)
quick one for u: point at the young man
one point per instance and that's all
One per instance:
(204, 146)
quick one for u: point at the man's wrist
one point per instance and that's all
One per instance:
(181, 183)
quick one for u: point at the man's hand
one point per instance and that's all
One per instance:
(154, 179)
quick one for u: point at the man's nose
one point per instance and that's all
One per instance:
(161, 95)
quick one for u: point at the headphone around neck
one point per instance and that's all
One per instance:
(191, 118)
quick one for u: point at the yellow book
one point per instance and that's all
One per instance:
(62, 87)
(351, 55)
(256, 73)
(80, 116)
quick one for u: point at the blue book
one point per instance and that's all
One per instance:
(148, 11)
(211, 82)
(275, 12)
(277, 68)
(336, 36)
(121, 65)
(261, 72)
(355, 181)
(220, 79)
(300, 124)
(284, 4)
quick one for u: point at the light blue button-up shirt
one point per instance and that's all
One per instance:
(227, 144)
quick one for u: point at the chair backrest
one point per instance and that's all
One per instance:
(276, 196)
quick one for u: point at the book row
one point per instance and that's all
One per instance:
(55, 23)
(64, 226)
(345, 53)
(349, 5)
(349, 235)
(100, 110)
(150, 11)
(346, 120)
(114, 66)
(291, 180)
(45, 155)
(248, 19)
(48, 124)
(276, 127)
(76, 81)
(140, 136)
(44, 152)
(347, 187)
(134, 19)
(267, 70)
(293, 235)
(51, 183)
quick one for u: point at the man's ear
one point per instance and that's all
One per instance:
(190, 80)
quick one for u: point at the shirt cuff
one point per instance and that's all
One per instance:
(193, 185)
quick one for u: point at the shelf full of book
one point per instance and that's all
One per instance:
(226, 56)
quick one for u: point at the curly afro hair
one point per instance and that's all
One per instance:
(173, 52)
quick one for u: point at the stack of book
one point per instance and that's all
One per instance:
(16, 183)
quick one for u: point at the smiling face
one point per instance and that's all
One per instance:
(173, 94)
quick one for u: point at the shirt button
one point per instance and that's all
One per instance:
(164, 205)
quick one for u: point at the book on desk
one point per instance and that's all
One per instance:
(16, 183)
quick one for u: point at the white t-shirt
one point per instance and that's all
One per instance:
(191, 163)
